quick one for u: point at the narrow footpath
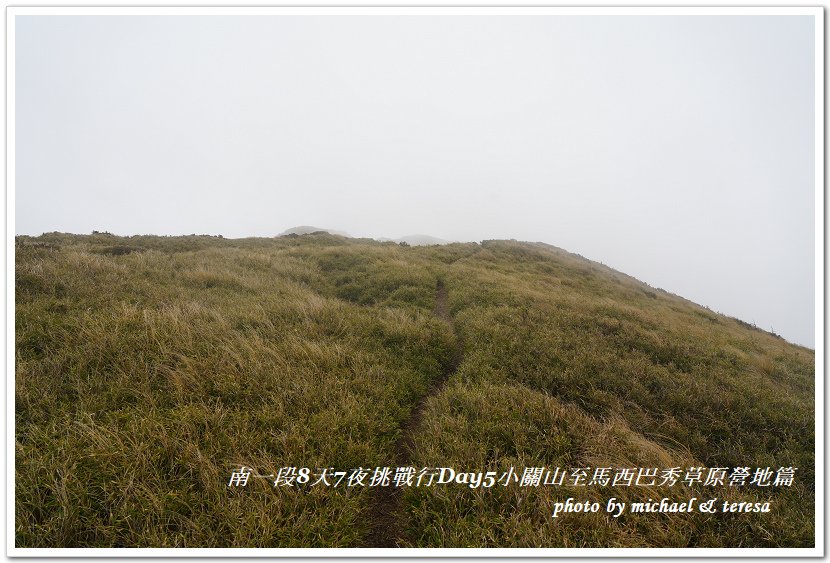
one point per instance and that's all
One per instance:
(386, 516)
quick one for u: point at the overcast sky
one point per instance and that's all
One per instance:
(679, 150)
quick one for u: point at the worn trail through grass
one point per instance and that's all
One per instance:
(148, 368)
(387, 518)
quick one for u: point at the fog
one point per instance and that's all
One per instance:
(679, 150)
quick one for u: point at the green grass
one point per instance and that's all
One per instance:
(148, 368)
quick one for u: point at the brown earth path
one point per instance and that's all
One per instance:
(387, 520)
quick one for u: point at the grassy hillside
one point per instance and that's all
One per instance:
(148, 369)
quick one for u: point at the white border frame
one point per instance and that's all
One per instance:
(817, 551)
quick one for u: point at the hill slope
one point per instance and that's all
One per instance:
(149, 369)
(305, 230)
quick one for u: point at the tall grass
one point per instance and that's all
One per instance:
(149, 368)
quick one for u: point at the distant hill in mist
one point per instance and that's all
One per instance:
(412, 240)
(307, 229)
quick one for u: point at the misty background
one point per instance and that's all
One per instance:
(677, 149)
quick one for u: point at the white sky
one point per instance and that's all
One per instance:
(679, 150)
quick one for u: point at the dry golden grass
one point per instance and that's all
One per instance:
(148, 368)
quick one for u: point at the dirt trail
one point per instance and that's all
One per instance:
(387, 520)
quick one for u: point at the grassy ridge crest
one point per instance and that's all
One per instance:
(148, 368)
